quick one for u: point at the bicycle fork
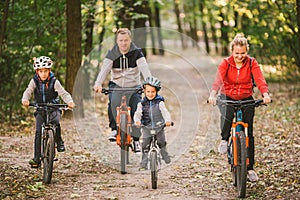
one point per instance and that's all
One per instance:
(236, 128)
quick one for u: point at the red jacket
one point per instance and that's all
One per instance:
(237, 83)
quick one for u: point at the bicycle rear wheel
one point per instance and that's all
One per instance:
(124, 149)
(153, 167)
(242, 165)
(48, 156)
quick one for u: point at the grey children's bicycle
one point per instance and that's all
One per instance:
(154, 155)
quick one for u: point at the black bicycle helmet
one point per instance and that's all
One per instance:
(153, 82)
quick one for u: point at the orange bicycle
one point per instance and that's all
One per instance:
(238, 153)
(124, 125)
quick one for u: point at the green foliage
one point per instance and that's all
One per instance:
(34, 28)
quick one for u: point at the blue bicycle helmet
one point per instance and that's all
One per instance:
(153, 82)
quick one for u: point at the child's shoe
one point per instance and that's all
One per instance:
(60, 146)
(33, 163)
(165, 155)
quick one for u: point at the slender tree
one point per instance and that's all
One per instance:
(74, 52)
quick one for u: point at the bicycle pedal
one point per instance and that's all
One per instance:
(55, 159)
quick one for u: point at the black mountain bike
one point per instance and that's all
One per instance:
(48, 137)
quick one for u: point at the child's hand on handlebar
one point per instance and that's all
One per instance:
(71, 104)
(168, 123)
(138, 124)
(25, 102)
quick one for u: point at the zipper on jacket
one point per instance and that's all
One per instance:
(151, 115)
(43, 92)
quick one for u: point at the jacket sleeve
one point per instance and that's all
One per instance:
(66, 97)
(138, 113)
(259, 77)
(143, 67)
(220, 75)
(105, 69)
(165, 113)
(29, 91)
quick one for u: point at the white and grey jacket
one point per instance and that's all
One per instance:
(125, 68)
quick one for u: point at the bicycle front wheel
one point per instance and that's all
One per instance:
(242, 165)
(153, 168)
(124, 149)
(48, 156)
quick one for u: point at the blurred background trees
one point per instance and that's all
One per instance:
(67, 31)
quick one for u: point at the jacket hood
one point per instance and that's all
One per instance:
(115, 53)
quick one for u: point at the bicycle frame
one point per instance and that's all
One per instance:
(124, 124)
(239, 143)
(124, 110)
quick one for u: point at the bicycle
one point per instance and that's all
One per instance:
(124, 125)
(154, 155)
(238, 153)
(48, 137)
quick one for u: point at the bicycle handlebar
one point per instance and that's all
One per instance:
(240, 103)
(110, 90)
(50, 105)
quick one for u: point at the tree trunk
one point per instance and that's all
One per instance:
(177, 14)
(298, 24)
(159, 36)
(224, 36)
(124, 17)
(101, 35)
(3, 24)
(74, 52)
(140, 33)
(204, 27)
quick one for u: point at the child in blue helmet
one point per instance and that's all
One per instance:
(151, 111)
(46, 89)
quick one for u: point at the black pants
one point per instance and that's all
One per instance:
(132, 99)
(40, 117)
(227, 115)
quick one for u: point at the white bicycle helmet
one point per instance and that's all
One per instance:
(153, 82)
(42, 62)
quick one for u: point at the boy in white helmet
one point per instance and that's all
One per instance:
(46, 89)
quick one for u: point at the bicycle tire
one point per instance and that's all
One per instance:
(48, 156)
(153, 168)
(124, 149)
(242, 165)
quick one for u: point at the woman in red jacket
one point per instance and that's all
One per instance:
(234, 82)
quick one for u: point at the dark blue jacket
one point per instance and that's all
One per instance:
(151, 111)
(44, 90)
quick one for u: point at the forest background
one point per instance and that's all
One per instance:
(67, 31)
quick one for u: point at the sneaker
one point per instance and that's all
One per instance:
(60, 146)
(223, 147)
(113, 136)
(137, 146)
(252, 176)
(143, 167)
(33, 163)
